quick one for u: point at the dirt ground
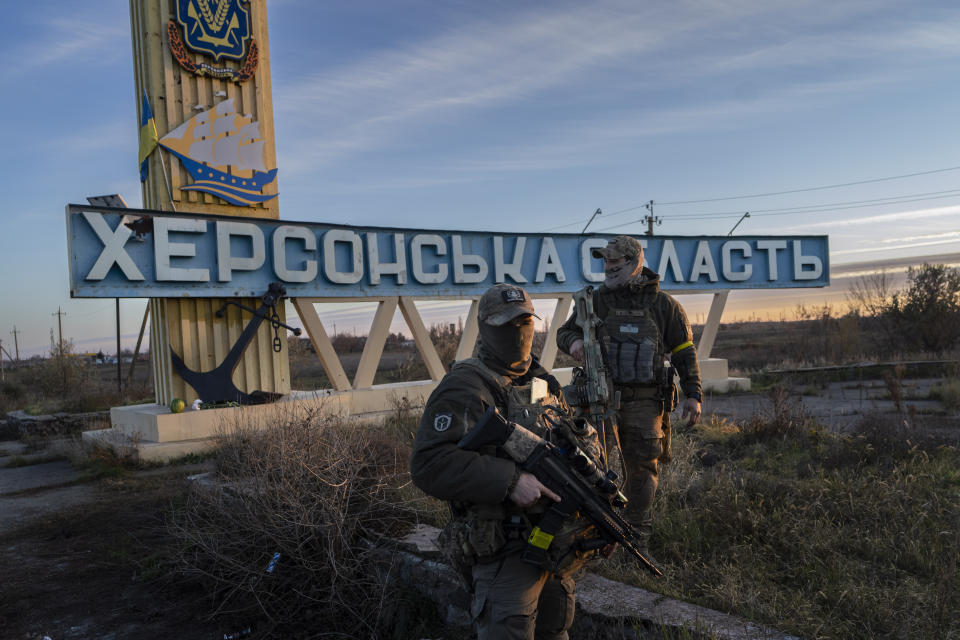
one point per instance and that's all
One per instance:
(87, 556)
(86, 559)
(840, 405)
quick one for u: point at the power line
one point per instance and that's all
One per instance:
(771, 193)
(827, 206)
(828, 186)
(819, 208)
(734, 214)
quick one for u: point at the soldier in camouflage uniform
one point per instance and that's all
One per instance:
(641, 326)
(494, 504)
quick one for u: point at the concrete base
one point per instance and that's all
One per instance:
(715, 376)
(158, 434)
(147, 451)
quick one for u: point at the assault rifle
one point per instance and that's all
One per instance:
(595, 395)
(569, 473)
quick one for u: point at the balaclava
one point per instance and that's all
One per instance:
(628, 248)
(506, 349)
(626, 273)
(503, 347)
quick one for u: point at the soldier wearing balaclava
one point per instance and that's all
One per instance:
(642, 327)
(494, 504)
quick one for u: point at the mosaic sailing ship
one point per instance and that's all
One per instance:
(223, 152)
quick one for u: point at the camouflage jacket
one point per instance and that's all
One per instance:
(437, 465)
(668, 315)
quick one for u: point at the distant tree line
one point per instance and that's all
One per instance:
(924, 317)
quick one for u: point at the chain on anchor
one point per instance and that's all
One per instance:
(217, 384)
(275, 323)
(268, 312)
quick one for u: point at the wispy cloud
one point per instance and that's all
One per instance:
(899, 216)
(897, 44)
(66, 38)
(584, 142)
(409, 95)
(909, 245)
(479, 66)
(926, 236)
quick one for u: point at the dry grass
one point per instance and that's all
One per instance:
(816, 534)
(70, 383)
(311, 491)
(948, 393)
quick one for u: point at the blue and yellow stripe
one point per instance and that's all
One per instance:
(148, 136)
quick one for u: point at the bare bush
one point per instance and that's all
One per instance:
(446, 338)
(785, 419)
(870, 295)
(285, 534)
(894, 382)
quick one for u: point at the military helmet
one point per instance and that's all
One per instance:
(502, 303)
(620, 247)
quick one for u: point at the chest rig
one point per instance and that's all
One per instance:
(632, 339)
(480, 533)
(524, 404)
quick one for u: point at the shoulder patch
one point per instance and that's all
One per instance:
(442, 421)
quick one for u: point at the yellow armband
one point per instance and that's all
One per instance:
(681, 347)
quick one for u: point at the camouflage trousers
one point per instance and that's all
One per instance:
(515, 600)
(640, 426)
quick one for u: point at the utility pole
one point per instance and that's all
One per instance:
(3, 351)
(136, 350)
(16, 345)
(119, 366)
(650, 219)
(60, 315)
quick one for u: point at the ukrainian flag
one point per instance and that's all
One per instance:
(148, 136)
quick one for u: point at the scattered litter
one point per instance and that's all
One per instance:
(196, 405)
(273, 562)
(243, 633)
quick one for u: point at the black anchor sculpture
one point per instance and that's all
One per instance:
(216, 385)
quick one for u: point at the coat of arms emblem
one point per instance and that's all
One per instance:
(220, 28)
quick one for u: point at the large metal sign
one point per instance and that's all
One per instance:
(134, 253)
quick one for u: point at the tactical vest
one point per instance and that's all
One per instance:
(486, 532)
(633, 341)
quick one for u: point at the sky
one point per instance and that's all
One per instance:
(522, 116)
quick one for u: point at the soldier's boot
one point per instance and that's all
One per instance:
(640, 510)
(644, 529)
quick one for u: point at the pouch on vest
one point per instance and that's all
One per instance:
(476, 535)
(633, 346)
(482, 530)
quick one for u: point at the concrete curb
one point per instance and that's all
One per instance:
(605, 608)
